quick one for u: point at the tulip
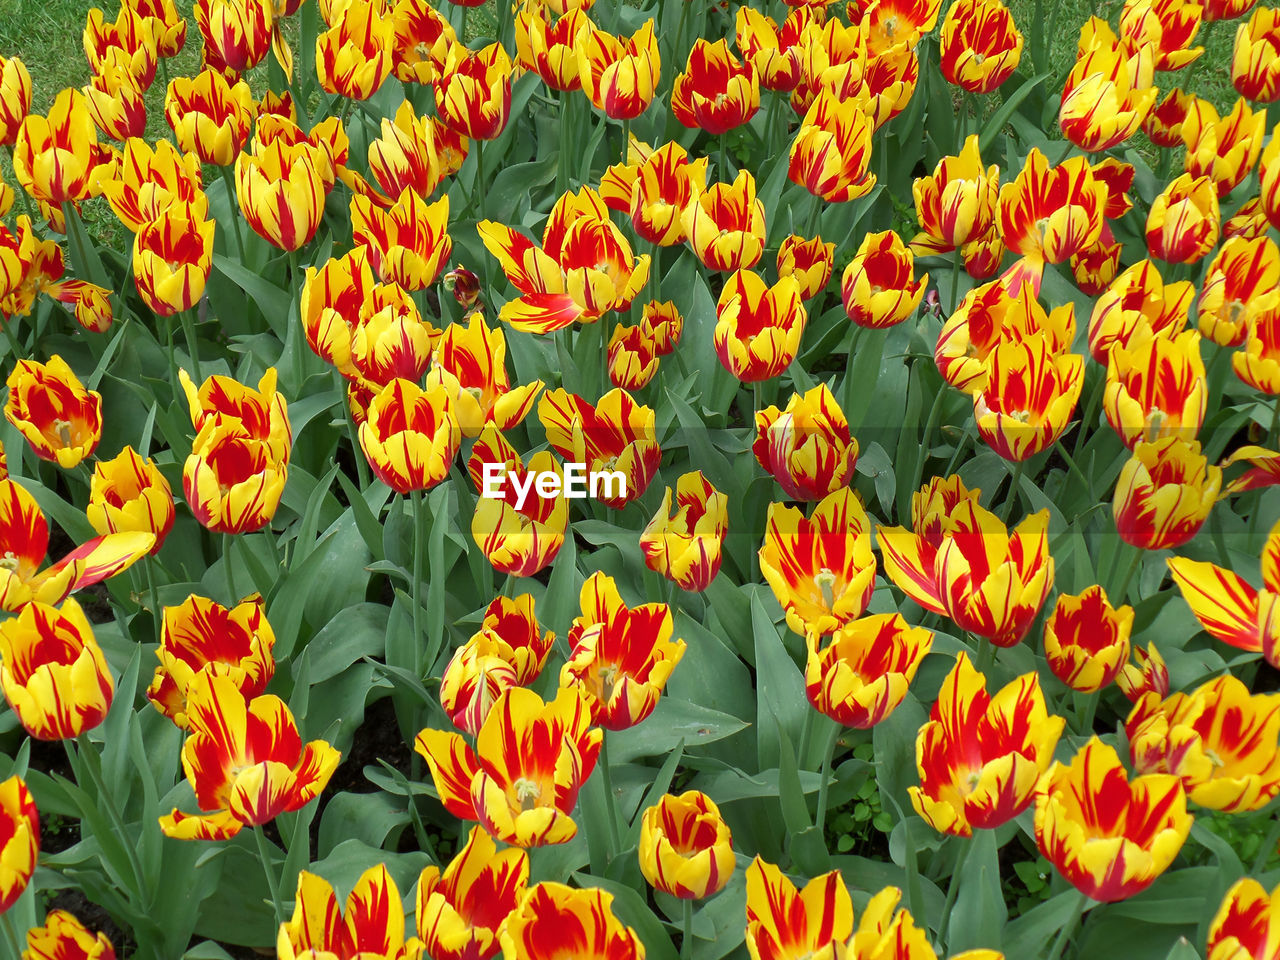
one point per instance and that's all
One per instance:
(172, 258)
(821, 569)
(979, 756)
(1264, 469)
(1229, 607)
(407, 154)
(152, 180)
(665, 182)
(1156, 388)
(831, 153)
(833, 59)
(619, 75)
(129, 42)
(115, 102)
(390, 340)
(331, 303)
(550, 50)
(623, 663)
(281, 194)
(167, 26)
(663, 325)
(957, 203)
(1095, 267)
(410, 436)
(1258, 364)
(1086, 640)
(554, 920)
(231, 480)
(900, 22)
(408, 244)
(1167, 26)
(889, 83)
(685, 847)
(237, 33)
(862, 675)
(15, 97)
(717, 91)
(461, 910)
(1138, 304)
(1220, 740)
(981, 46)
(877, 286)
(262, 411)
(615, 436)
(1052, 212)
(1224, 150)
(522, 780)
(1106, 95)
(1028, 398)
(584, 268)
(56, 158)
(372, 925)
(1227, 9)
(465, 287)
(1149, 673)
(1248, 223)
(725, 224)
(1183, 223)
(201, 636)
(1255, 59)
(64, 936)
(1110, 837)
(773, 50)
(129, 494)
(808, 447)
(422, 42)
(685, 547)
(990, 580)
(758, 327)
(1165, 493)
(61, 420)
(784, 923)
(1245, 924)
(518, 537)
(353, 57)
(53, 672)
(1164, 123)
(473, 94)
(1269, 178)
(809, 261)
(632, 359)
(19, 839)
(470, 361)
(245, 761)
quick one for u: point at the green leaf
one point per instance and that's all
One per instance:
(673, 722)
(1002, 115)
(780, 696)
(355, 633)
(274, 302)
(979, 914)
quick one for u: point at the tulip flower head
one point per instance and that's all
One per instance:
(1029, 397)
(63, 935)
(1147, 672)
(1086, 640)
(1138, 304)
(1052, 212)
(1223, 149)
(261, 411)
(862, 675)
(725, 224)
(554, 920)
(1245, 924)
(831, 154)
(172, 259)
(980, 756)
(1109, 836)
(616, 435)
(685, 847)
(550, 49)
(981, 46)
(877, 287)
(1165, 493)
(619, 74)
(423, 39)
(19, 839)
(957, 203)
(633, 361)
(129, 493)
(410, 435)
(654, 190)
(15, 97)
(1255, 59)
(1184, 221)
(809, 261)
(717, 92)
(372, 924)
(56, 158)
(1107, 94)
(473, 93)
(237, 33)
(784, 923)
(758, 327)
(61, 420)
(1156, 388)
(773, 49)
(354, 56)
(150, 180)
(408, 153)
(1163, 125)
(807, 447)
(281, 193)
(685, 547)
(1168, 26)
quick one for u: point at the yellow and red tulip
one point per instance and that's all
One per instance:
(1164, 123)
(167, 25)
(470, 361)
(664, 184)
(407, 155)
(554, 920)
(1264, 469)
(1110, 837)
(822, 568)
(1258, 364)
(833, 58)
(232, 480)
(518, 537)
(237, 33)
(957, 203)
(716, 92)
(1165, 493)
(1086, 640)
(150, 180)
(685, 547)
(1156, 388)
(115, 102)
(619, 75)
(663, 325)
(831, 154)
(371, 925)
(633, 361)
(1184, 220)
(1249, 222)
(773, 49)
(521, 781)
(172, 259)
(758, 327)
(807, 447)
(981, 46)
(354, 56)
(473, 93)
(862, 674)
(1168, 27)
(1095, 267)
(461, 910)
(1245, 924)
(616, 435)
(57, 158)
(408, 244)
(809, 261)
(245, 761)
(584, 268)
(725, 224)
(1227, 9)
(1229, 607)
(410, 436)
(550, 49)
(1255, 59)
(1052, 212)
(980, 756)
(1148, 672)
(19, 839)
(129, 494)
(333, 297)
(15, 97)
(281, 191)
(64, 936)
(784, 923)
(1222, 741)
(1028, 398)
(129, 42)
(1138, 304)
(686, 850)
(53, 672)
(202, 636)
(1223, 149)
(967, 565)
(60, 419)
(261, 411)
(878, 288)
(1107, 94)
(390, 339)
(423, 39)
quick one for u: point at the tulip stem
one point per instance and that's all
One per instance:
(419, 544)
(74, 230)
(233, 208)
(83, 757)
(986, 654)
(1122, 590)
(562, 165)
(1015, 488)
(1090, 410)
(273, 881)
(478, 194)
(15, 945)
(956, 263)
(12, 337)
(157, 613)
(686, 941)
(227, 542)
(1275, 424)
(611, 802)
(1069, 928)
(26, 200)
(953, 887)
(189, 334)
(815, 218)
(827, 756)
(1087, 708)
(509, 586)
